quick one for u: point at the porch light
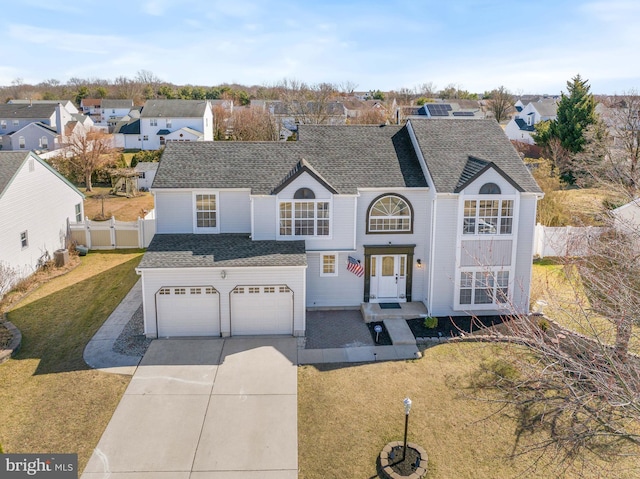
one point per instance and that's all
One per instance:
(223, 274)
(419, 263)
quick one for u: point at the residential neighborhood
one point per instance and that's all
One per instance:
(325, 241)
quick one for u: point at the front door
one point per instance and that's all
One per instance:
(388, 277)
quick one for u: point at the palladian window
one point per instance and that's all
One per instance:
(389, 214)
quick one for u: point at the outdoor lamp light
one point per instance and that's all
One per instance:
(407, 408)
(407, 405)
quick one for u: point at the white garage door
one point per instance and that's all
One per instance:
(188, 311)
(261, 309)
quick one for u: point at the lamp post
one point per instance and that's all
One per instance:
(407, 408)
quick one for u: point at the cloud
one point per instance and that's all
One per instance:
(63, 40)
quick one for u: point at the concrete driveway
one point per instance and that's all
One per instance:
(205, 409)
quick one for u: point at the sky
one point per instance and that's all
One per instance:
(528, 46)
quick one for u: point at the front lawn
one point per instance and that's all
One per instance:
(51, 401)
(348, 412)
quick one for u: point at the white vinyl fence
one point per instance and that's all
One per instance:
(114, 234)
(564, 240)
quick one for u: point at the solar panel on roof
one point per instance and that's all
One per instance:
(436, 109)
(447, 106)
(463, 113)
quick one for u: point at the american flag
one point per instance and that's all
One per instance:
(355, 267)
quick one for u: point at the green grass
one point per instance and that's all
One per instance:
(51, 400)
(568, 304)
(347, 413)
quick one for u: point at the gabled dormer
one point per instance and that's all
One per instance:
(304, 203)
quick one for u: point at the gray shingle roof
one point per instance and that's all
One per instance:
(346, 157)
(10, 163)
(26, 111)
(447, 145)
(546, 107)
(173, 109)
(221, 250)
(106, 103)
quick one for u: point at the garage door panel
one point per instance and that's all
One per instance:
(261, 309)
(188, 311)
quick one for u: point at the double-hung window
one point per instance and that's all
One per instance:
(205, 213)
(328, 264)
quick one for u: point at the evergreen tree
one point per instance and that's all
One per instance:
(576, 111)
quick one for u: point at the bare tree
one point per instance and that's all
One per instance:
(372, 116)
(573, 387)
(221, 120)
(427, 90)
(89, 151)
(501, 103)
(252, 124)
(347, 88)
(308, 104)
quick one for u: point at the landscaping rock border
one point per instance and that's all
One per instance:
(385, 464)
(16, 340)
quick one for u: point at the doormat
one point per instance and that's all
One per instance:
(389, 305)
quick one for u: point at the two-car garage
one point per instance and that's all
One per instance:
(223, 285)
(195, 310)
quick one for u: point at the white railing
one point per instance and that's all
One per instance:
(114, 234)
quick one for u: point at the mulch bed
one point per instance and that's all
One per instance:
(453, 326)
(407, 467)
(383, 338)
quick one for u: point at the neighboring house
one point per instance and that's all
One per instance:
(127, 135)
(146, 173)
(66, 104)
(113, 111)
(288, 115)
(161, 119)
(35, 204)
(38, 126)
(252, 234)
(105, 112)
(522, 125)
(459, 109)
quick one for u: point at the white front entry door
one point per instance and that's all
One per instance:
(388, 277)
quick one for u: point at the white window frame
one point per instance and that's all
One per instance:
(476, 276)
(293, 218)
(153, 122)
(335, 264)
(169, 123)
(21, 142)
(78, 212)
(390, 218)
(206, 229)
(477, 218)
(24, 239)
(3, 124)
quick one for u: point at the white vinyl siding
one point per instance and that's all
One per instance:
(174, 211)
(291, 277)
(21, 211)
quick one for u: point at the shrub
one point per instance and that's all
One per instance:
(544, 325)
(430, 322)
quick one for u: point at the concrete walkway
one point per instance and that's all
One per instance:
(99, 352)
(205, 409)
